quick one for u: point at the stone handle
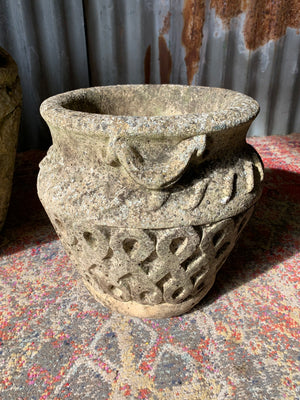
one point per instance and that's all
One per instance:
(161, 173)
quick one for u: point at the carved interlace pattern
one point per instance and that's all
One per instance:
(152, 266)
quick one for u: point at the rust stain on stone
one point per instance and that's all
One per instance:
(193, 16)
(227, 9)
(147, 64)
(268, 20)
(165, 60)
(166, 25)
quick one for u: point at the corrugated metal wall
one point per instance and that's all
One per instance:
(47, 40)
(251, 46)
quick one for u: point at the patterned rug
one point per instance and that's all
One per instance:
(240, 342)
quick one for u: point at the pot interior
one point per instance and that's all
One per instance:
(152, 100)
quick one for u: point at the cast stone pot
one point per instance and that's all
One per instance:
(10, 114)
(148, 188)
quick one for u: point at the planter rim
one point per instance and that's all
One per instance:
(55, 111)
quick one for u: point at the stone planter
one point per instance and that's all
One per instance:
(10, 113)
(148, 188)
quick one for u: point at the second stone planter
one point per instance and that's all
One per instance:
(10, 114)
(149, 187)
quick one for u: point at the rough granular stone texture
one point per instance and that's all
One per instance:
(149, 187)
(10, 113)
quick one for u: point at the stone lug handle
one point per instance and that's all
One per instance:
(163, 172)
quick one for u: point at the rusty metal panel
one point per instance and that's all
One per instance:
(252, 47)
(249, 46)
(47, 40)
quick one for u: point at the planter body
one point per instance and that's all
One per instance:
(10, 113)
(149, 187)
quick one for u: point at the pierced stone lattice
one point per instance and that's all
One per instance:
(153, 266)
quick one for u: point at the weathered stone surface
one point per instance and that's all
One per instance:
(10, 113)
(149, 187)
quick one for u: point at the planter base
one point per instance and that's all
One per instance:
(135, 309)
(151, 273)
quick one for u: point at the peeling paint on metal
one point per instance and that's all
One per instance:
(166, 25)
(193, 16)
(147, 64)
(226, 10)
(264, 20)
(165, 60)
(269, 20)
